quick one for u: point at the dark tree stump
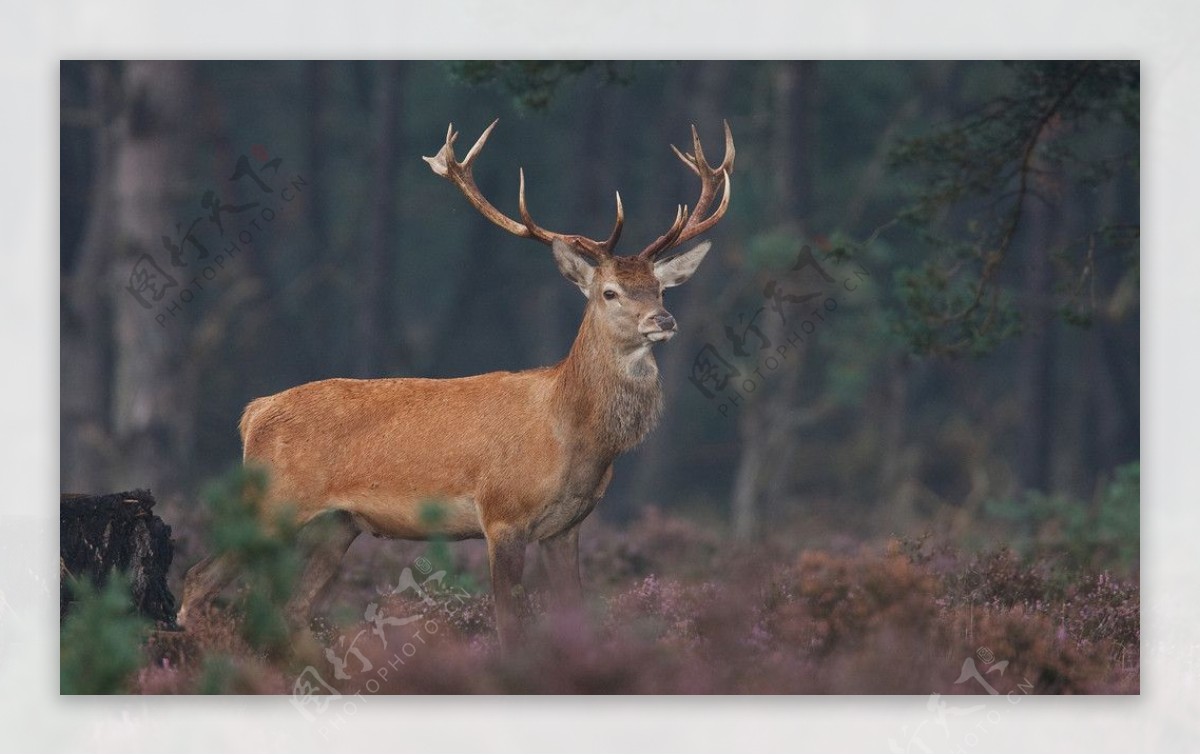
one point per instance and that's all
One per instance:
(100, 533)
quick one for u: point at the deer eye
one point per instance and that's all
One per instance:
(610, 294)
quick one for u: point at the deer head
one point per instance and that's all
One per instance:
(624, 292)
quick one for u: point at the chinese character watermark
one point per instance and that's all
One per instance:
(314, 696)
(941, 727)
(188, 262)
(800, 303)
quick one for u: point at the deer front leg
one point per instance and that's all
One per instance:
(506, 556)
(202, 583)
(560, 555)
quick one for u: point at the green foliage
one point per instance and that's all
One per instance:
(101, 639)
(773, 249)
(266, 556)
(1049, 124)
(217, 675)
(1105, 534)
(984, 151)
(532, 84)
(863, 337)
(1118, 521)
(439, 554)
(930, 293)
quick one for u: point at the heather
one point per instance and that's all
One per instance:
(675, 606)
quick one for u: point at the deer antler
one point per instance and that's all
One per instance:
(688, 226)
(459, 173)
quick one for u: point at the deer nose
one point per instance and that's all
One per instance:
(664, 321)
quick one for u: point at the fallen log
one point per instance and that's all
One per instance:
(102, 533)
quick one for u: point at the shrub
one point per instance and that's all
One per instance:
(267, 558)
(1088, 536)
(101, 639)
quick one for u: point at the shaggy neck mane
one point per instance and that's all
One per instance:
(610, 392)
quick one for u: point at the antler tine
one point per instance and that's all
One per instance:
(697, 150)
(710, 178)
(688, 160)
(694, 229)
(668, 239)
(709, 175)
(730, 151)
(594, 249)
(458, 173)
(482, 140)
(611, 242)
(534, 229)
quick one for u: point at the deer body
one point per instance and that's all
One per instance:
(513, 457)
(531, 450)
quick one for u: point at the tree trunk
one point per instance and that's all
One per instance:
(793, 141)
(106, 533)
(154, 147)
(764, 422)
(1035, 355)
(86, 315)
(894, 469)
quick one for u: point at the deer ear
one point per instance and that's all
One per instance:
(677, 269)
(574, 266)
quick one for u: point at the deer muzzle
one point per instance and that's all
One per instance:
(659, 326)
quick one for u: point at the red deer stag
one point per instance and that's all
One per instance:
(510, 457)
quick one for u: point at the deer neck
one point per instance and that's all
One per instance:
(606, 392)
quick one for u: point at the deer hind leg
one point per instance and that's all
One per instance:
(506, 557)
(323, 542)
(202, 583)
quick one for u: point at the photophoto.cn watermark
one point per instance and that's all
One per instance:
(953, 728)
(804, 301)
(322, 702)
(198, 250)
